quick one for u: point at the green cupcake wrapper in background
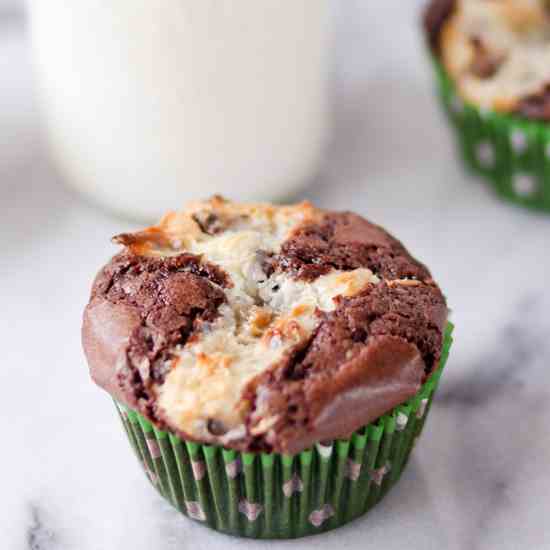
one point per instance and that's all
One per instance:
(512, 153)
(262, 495)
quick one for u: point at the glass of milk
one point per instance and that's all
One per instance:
(150, 103)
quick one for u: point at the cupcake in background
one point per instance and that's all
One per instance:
(492, 61)
(273, 366)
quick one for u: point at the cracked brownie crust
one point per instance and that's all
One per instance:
(497, 52)
(263, 328)
(156, 303)
(344, 241)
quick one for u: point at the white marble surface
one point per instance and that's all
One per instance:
(479, 479)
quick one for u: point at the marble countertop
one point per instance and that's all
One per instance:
(478, 480)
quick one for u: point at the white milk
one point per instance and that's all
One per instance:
(150, 103)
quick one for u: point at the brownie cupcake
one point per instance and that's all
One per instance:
(492, 59)
(272, 365)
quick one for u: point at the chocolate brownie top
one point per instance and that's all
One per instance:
(262, 328)
(497, 52)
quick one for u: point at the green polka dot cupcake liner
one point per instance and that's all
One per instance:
(511, 153)
(274, 496)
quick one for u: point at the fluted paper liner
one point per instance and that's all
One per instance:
(510, 152)
(262, 495)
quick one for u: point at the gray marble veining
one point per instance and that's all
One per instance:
(39, 536)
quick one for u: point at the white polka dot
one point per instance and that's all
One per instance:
(484, 112)
(485, 153)
(195, 511)
(525, 185)
(518, 140)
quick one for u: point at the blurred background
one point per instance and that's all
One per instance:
(478, 480)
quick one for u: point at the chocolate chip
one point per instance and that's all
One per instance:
(208, 222)
(216, 428)
(264, 259)
(536, 106)
(485, 63)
